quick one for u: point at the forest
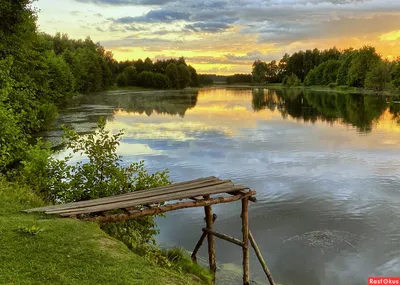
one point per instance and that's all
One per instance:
(39, 72)
(361, 68)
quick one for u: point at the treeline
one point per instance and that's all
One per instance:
(363, 68)
(162, 74)
(39, 72)
(239, 78)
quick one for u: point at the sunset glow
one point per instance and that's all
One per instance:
(225, 37)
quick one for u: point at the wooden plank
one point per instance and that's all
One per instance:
(224, 237)
(210, 238)
(165, 208)
(141, 195)
(91, 202)
(150, 200)
(245, 232)
(261, 259)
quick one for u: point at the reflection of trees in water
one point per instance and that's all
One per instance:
(357, 110)
(171, 104)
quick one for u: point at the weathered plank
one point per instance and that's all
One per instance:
(166, 208)
(150, 200)
(141, 194)
(134, 195)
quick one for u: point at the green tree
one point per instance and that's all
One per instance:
(310, 78)
(184, 76)
(173, 74)
(194, 80)
(330, 71)
(362, 63)
(131, 75)
(259, 71)
(343, 72)
(396, 74)
(379, 77)
(122, 79)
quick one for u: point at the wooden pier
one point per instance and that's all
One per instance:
(202, 192)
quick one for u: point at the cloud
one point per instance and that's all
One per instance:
(126, 2)
(155, 16)
(208, 27)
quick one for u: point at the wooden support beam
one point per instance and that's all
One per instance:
(197, 247)
(163, 209)
(261, 259)
(210, 238)
(251, 198)
(224, 237)
(200, 242)
(245, 232)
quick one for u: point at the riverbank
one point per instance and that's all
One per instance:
(44, 250)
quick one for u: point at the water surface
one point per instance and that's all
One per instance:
(325, 167)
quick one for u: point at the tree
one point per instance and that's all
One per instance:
(131, 75)
(361, 63)
(272, 72)
(60, 78)
(122, 79)
(330, 71)
(259, 71)
(378, 77)
(148, 64)
(343, 72)
(184, 76)
(173, 74)
(194, 81)
(396, 74)
(310, 78)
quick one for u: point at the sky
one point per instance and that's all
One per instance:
(221, 36)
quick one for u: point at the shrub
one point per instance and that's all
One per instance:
(100, 175)
(291, 81)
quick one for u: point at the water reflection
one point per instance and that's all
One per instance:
(325, 166)
(360, 111)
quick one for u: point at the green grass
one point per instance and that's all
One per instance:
(66, 251)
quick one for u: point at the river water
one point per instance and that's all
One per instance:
(326, 168)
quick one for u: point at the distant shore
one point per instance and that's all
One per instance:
(337, 89)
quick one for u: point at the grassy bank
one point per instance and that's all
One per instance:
(37, 249)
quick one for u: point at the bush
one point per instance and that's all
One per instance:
(122, 80)
(100, 175)
(291, 81)
(146, 79)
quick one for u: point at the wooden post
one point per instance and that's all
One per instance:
(210, 239)
(261, 259)
(198, 245)
(245, 231)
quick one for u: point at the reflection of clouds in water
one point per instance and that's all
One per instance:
(309, 176)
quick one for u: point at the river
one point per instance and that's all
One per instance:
(326, 168)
